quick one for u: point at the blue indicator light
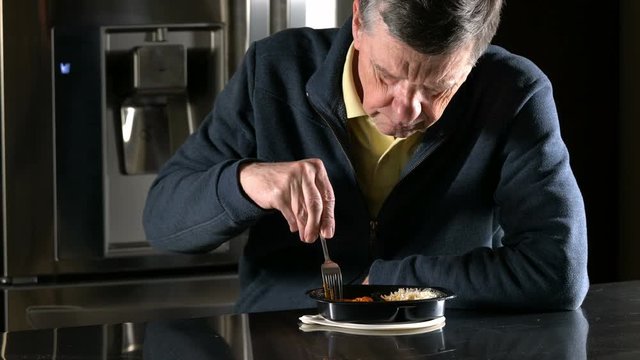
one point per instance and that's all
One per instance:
(65, 68)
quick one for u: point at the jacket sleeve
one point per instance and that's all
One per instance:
(196, 202)
(542, 262)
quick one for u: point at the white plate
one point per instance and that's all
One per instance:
(320, 320)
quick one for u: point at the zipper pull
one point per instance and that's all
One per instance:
(373, 239)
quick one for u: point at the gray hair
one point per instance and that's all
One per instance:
(436, 27)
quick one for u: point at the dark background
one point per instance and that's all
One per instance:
(578, 46)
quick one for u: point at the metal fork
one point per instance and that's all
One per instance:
(331, 275)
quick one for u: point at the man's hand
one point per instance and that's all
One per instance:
(300, 190)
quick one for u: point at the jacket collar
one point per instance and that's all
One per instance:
(324, 88)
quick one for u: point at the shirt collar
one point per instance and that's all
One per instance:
(352, 101)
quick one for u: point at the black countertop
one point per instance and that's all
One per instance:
(606, 327)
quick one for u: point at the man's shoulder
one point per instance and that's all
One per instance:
(306, 42)
(498, 63)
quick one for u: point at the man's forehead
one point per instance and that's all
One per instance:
(399, 60)
(437, 71)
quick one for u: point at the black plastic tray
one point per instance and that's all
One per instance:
(379, 311)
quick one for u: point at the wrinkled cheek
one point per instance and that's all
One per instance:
(376, 100)
(377, 107)
(438, 107)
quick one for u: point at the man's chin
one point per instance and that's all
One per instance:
(400, 132)
(406, 133)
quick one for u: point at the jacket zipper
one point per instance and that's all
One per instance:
(373, 223)
(373, 237)
(429, 151)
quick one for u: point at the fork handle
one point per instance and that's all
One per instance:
(325, 250)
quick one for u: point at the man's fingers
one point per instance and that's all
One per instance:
(314, 206)
(291, 219)
(298, 209)
(327, 220)
(327, 223)
(300, 190)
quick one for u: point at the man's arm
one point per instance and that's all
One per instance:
(542, 262)
(196, 202)
(214, 187)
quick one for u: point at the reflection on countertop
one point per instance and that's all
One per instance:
(467, 335)
(607, 326)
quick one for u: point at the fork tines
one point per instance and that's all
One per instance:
(332, 284)
(331, 275)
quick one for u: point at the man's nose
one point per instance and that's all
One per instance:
(407, 106)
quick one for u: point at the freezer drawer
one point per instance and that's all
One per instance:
(110, 302)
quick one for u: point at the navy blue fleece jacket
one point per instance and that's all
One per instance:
(487, 206)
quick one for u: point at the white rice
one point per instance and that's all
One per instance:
(404, 294)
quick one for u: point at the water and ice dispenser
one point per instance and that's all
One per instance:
(124, 104)
(154, 118)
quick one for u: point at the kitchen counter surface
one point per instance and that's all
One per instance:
(606, 327)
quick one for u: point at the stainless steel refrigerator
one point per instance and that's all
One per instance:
(95, 96)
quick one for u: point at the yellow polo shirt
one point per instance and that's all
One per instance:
(378, 158)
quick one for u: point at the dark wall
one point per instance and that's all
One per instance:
(629, 145)
(576, 45)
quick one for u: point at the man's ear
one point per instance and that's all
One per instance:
(356, 23)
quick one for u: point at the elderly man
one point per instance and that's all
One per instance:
(427, 156)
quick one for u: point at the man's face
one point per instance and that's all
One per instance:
(403, 90)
